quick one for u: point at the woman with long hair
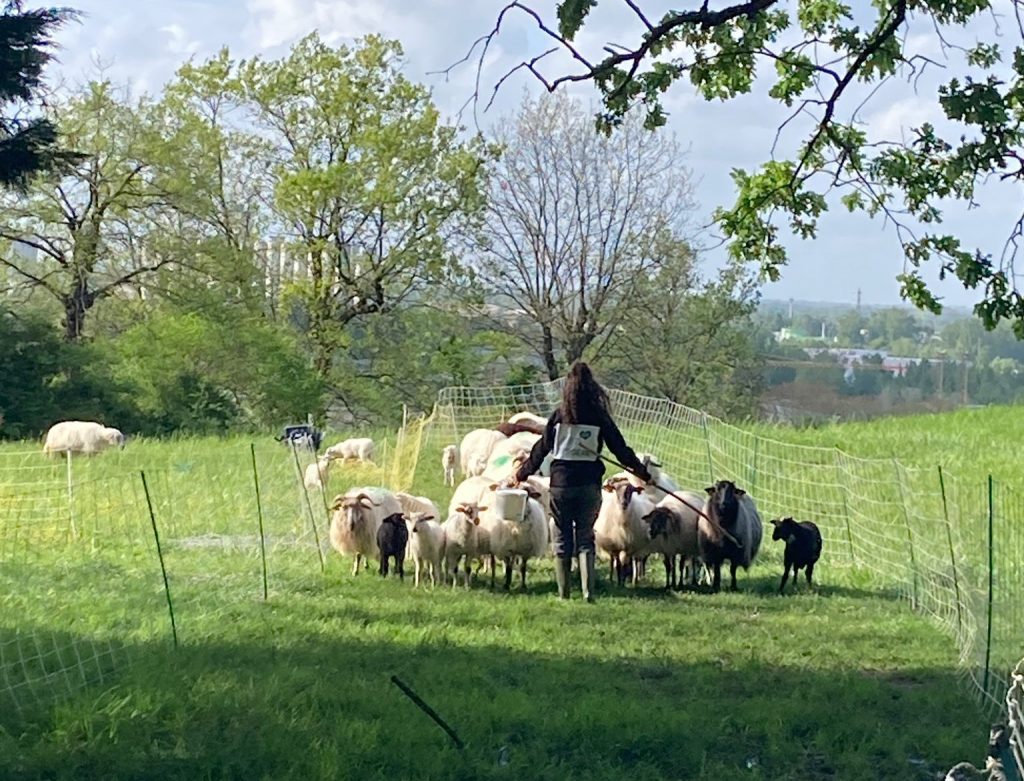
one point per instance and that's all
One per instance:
(574, 436)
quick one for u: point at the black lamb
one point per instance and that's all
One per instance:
(392, 537)
(803, 547)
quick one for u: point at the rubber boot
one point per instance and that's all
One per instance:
(563, 576)
(588, 579)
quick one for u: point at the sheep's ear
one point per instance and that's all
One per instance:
(608, 487)
(647, 517)
(775, 523)
(710, 490)
(482, 509)
(494, 486)
(740, 492)
(427, 518)
(337, 502)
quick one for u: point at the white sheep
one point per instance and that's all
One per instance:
(516, 540)
(469, 491)
(475, 449)
(658, 475)
(356, 516)
(461, 540)
(528, 416)
(315, 476)
(506, 455)
(417, 504)
(449, 460)
(80, 436)
(672, 527)
(426, 545)
(357, 448)
(620, 530)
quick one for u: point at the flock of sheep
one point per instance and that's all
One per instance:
(693, 532)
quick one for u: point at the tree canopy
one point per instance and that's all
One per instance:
(822, 60)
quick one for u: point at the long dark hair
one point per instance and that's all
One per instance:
(583, 399)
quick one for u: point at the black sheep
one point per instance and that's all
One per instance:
(392, 537)
(803, 547)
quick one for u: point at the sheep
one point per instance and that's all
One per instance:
(511, 429)
(659, 477)
(516, 540)
(426, 545)
(469, 491)
(417, 504)
(803, 547)
(620, 530)
(507, 454)
(461, 539)
(731, 530)
(80, 436)
(392, 539)
(449, 459)
(315, 476)
(356, 516)
(672, 530)
(529, 417)
(475, 449)
(358, 449)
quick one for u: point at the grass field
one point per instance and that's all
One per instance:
(844, 683)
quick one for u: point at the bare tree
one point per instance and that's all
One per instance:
(574, 222)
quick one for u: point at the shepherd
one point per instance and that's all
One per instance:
(574, 436)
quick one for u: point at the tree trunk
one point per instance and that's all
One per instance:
(76, 303)
(548, 348)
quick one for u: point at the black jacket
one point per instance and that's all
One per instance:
(576, 473)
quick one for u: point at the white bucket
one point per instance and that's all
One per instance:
(510, 504)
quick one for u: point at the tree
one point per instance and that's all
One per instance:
(366, 180)
(28, 143)
(575, 221)
(690, 341)
(819, 55)
(88, 226)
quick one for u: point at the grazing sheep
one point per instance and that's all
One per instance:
(803, 547)
(80, 436)
(620, 530)
(511, 541)
(358, 449)
(449, 460)
(426, 546)
(732, 530)
(672, 529)
(417, 504)
(475, 449)
(461, 540)
(356, 516)
(392, 538)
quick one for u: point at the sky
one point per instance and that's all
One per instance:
(145, 45)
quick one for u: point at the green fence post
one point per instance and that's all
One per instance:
(991, 583)
(952, 555)
(910, 537)
(160, 555)
(259, 515)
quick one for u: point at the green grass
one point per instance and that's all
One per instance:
(845, 683)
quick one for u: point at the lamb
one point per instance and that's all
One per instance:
(475, 449)
(517, 540)
(417, 504)
(426, 545)
(461, 539)
(620, 530)
(356, 516)
(80, 436)
(803, 547)
(392, 539)
(672, 530)
(315, 476)
(358, 449)
(449, 459)
(732, 530)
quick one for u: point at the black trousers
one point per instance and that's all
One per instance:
(575, 509)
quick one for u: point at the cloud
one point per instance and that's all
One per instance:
(179, 43)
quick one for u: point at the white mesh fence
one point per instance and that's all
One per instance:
(948, 547)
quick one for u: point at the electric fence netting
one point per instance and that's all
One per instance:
(953, 549)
